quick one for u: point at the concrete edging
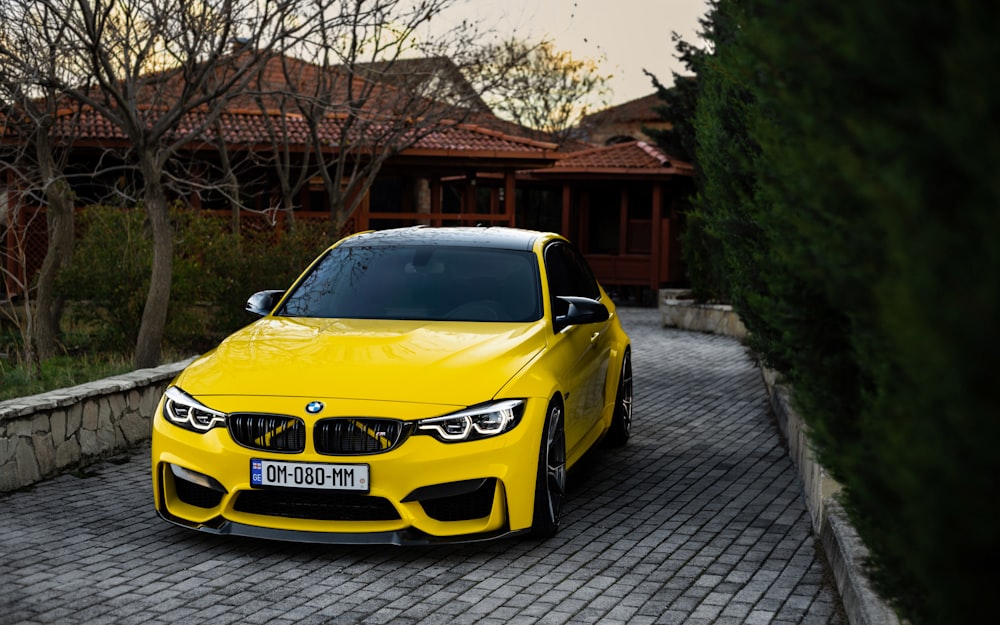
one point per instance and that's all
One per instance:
(47, 434)
(686, 314)
(844, 549)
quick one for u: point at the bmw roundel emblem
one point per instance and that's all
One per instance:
(314, 407)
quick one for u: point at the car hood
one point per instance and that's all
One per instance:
(452, 363)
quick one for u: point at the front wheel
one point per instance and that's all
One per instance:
(550, 482)
(621, 421)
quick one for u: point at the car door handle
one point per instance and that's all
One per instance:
(594, 337)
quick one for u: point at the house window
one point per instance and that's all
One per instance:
(604, 225)
(387, 196)
(539, 208)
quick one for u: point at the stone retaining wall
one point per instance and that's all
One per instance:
(47, 434)
(686, 314)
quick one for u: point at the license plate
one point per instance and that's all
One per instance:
(352, 477)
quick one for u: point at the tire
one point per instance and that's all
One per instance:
(550, 482)
(621, 420)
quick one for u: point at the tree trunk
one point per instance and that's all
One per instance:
(154, 313)
(59, 220)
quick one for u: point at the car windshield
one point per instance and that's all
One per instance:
(422, 282)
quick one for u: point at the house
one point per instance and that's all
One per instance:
(624, 122)
(616, 202)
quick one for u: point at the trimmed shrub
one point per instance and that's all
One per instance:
(858, 211)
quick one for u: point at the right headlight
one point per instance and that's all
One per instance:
(187, 412)
(477, 422)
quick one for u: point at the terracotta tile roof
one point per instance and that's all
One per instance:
(254, 129)
(478, 138)
(491, 121)
(246, 126)
(635, 157)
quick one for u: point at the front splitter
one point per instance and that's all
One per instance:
(402, 538)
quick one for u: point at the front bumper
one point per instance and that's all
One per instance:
(422, 492)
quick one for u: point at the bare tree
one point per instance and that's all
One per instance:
(161, 73)
(543, 88)
(15, 272)
(361, 80)
(366, 81)
(33, 49)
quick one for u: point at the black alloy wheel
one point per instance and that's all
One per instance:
(550, 484)
(621, 421)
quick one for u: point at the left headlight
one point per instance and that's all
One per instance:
(474, 423)
(187, 412)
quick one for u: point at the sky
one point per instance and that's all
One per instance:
(625, 36)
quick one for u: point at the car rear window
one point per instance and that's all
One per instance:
(420, 282)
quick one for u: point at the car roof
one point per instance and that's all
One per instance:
(488, 236)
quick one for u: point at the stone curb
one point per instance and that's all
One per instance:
(846, 554)
(844, 549)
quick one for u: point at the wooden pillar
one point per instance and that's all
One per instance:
(362, 212)
(655, 236)
(436, 191)
(510, 197)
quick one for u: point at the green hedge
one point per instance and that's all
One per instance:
(849, 154)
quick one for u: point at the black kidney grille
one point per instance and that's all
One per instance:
(268, 432)
(352, 436)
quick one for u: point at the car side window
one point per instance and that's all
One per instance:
(568, 274)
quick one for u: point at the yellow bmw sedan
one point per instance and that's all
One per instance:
(413, 386)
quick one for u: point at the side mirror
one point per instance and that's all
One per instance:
(580, 311)
(263, 302)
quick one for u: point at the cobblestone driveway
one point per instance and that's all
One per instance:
(698, 520)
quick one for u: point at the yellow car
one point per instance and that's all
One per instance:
(413, 386)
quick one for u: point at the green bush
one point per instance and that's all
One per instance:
(110, 271)
(214, 273)
(257, 262)
(850, 182)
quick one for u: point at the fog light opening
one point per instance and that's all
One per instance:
(197, 478)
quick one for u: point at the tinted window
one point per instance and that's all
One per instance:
(420, 282)
(568, 273)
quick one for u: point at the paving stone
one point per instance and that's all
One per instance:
(699, 519)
